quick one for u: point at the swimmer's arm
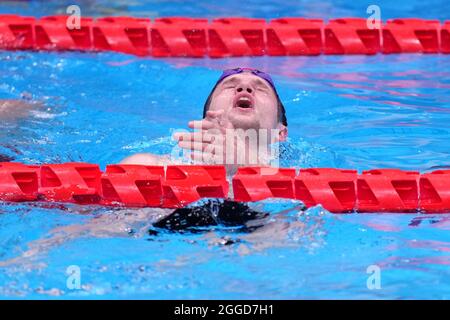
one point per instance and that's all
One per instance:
(146, 159)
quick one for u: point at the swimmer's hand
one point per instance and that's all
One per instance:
(212, 143)
(213, 120)
(206, 143)
(14, 109)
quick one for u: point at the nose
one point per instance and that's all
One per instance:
(244, 87)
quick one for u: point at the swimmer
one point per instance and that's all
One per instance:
(243, 100)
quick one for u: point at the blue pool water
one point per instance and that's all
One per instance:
(348, 112)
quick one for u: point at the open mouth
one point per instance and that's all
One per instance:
(243, 101)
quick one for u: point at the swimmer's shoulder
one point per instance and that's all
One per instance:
(146, 159)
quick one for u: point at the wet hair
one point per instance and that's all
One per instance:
(281, 111)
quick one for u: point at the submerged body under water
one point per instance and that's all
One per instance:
(344, 112)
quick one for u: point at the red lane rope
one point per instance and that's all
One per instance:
(337, 190)
(224, 37)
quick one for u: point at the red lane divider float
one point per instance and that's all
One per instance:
(224, 37)
(254, 184)
(17, 32)
(294, 37)
(435, 191)
(337, 190)
(411, 35)
(185, 184)
(236, 37)
(122, 34)
(389, 190)
(18, 182)
(445, 38)
(50, 35)
(77, 182)
(132, 185)
(179, 37)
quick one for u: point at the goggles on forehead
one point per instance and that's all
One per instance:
(229, 72)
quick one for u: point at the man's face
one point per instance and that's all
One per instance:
(247, 101)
